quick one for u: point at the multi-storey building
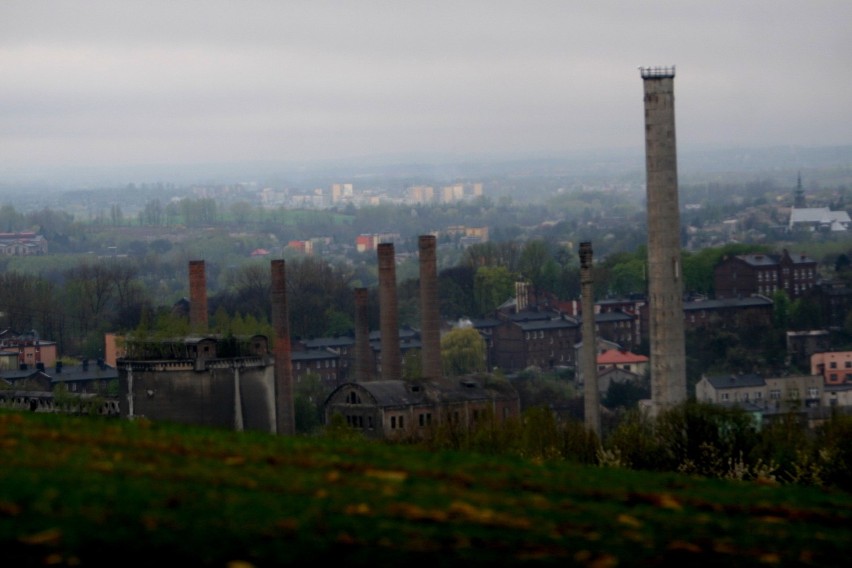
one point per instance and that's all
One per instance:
(765, 397)
(734, 313)
(834, 366)
(748, 274)
(31, 349)
(533, 339)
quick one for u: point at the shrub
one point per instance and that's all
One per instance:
(703, 438)
(633, 442)
(834, 443)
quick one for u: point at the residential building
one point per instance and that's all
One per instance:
(766, 397)
(617, 326)
(324, 363)
(834, 298)
(615, 376)
(724, 389)
(533, 339)
(622, 359)
(834, 366)
(301, 246)
(370, 241)
(744, 275)
(801, 345)
(733, 313)
(31, 349)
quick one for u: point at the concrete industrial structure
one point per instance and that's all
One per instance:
(665, 283)
(229, 382)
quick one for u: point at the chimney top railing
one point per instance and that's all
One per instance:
(657, 72)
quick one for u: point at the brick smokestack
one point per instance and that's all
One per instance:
(284, 408)
(389, 319)
(591, 394)
(430, 331)
(665, 282)
(363, 354)
(197, 296)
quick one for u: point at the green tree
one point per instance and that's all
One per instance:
(309, 396)
(532, 261)
(805, 314)
(491, 287)
(462, 352)
(10, 219)
(780, 309)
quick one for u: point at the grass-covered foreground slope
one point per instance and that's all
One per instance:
(87, 491)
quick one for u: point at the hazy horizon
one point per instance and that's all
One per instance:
(98, 84)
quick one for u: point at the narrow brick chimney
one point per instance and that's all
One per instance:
(363, 354)
(284, 408)
(389, 319)
(197, 297)
(589, 353)
(430, 331)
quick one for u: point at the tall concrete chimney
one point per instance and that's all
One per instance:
(430, 318)
(591, 394)
(197, 297)
(363, 354)
(285, 416)
(389, 319)
(665, 281)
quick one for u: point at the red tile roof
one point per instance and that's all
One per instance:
(616, 357)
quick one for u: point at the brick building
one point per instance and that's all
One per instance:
(532, 339)
(733, 313)
(395, 409)
(748, 274)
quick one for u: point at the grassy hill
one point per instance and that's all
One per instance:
(87, 491)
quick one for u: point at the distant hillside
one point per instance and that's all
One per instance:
(94, 492)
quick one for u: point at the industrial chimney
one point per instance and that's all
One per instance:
(284, 407)
(197, 297)
(665, 283)
(591, 394)
(389, 320)
(363, 354)
(430, 319)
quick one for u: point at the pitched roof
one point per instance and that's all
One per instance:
(605, 317)
(735, 381)
(321, 342)
(751, 301)
(88, 372)
(313, 355)
(821, 215)
(617, 356)
(555, 323)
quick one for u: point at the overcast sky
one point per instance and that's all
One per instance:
(115, 83)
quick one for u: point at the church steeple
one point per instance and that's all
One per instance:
(799, 194)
